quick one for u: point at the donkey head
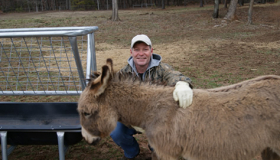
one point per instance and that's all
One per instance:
(96, 117)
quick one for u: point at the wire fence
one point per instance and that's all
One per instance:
(45, 65)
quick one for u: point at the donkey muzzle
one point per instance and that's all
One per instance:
(90, 138)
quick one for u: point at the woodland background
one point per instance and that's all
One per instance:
(48, 5)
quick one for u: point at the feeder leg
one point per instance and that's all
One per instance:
(4, 145)
(10, 149)
(60, 138)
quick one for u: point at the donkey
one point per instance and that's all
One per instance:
(235, 122)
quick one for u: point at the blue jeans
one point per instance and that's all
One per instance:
(123, 137)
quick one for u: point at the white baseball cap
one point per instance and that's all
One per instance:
(141, 38)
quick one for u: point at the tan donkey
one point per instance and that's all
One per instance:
(235, 122)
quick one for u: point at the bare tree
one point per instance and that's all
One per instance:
(36, 6)
(27, 2)
(241, 2)
(216, 9)
(41, 5)
(115, 15)
(163, 4)
(231, 14)
(69, 5)
(225, 3)
(97, 4)
(250, 12)
(201, 3)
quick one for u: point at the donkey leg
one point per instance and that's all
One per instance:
(269, 154)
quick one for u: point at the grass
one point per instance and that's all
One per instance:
(186, 39)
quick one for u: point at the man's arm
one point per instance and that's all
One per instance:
(172, 76)
(183, 85)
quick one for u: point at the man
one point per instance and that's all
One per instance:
(148, 66)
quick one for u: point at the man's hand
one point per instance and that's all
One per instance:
(183, 93)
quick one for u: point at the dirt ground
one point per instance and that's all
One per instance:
(212, 52)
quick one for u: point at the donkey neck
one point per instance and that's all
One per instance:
(137, 104)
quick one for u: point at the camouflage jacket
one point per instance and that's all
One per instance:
(157, 72)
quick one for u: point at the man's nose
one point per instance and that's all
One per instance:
(141, 52)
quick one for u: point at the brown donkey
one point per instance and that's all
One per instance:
(235, 122)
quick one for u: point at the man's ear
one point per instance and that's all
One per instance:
(131, 51)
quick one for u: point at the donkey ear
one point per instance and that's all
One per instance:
(110, 64)
(94, 75)
(99, 85)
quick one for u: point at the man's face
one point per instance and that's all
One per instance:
(141, 54)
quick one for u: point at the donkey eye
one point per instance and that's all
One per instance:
(86, 114)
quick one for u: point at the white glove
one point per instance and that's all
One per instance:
(183, 93)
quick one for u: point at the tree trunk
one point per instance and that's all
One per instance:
(107, 5)
(250, 12)
(36, 6)
(225, 3)
(54, 6)
(70, 5)
(216, 9)
(201, 3)
(115, 15)
(42, 5)
(97, 4)
(241, 2)
(27, 1)
(205, 2)
(231, 14)
(163, 4)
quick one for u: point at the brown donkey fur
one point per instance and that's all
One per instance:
(235, 122)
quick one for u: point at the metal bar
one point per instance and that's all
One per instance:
(58, 65)
(61, 148)
(69, 65)
(73, 42)
(8, 33)
(91, 56)
(22, 66)
(4, 145)
(44, 61)
(10, 93)
(30, 57)
(91, 28)
(7, 79)
(10, 149)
